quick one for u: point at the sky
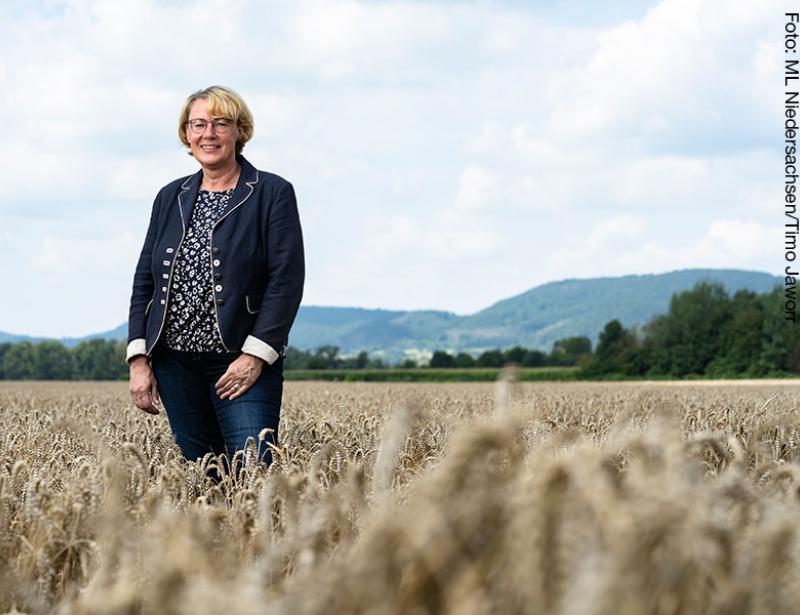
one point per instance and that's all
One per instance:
(445, 155)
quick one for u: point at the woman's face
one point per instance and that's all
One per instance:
(212, 149)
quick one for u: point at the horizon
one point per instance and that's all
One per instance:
(430, 144)
(354, 307)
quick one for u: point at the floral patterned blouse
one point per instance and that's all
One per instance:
(191, 320)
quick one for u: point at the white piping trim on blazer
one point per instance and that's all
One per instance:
(185, 188)
(211, 255)
(247, 305)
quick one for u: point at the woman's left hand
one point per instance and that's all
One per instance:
(244, 371)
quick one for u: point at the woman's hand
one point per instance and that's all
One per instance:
(143, 388)
(239, 377)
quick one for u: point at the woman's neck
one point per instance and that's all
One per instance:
(217, 180)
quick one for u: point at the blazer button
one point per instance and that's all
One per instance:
(166, 263)
(217, 276)
(220, 301)
(215, 250)
(216, 262)
(218, 288)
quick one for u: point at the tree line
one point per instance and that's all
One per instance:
(705, 332)
(95, 359)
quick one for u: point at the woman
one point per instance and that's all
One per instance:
(216, 289)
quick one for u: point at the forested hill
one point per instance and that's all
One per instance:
(533, 319)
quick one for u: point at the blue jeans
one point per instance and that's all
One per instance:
(202, 422)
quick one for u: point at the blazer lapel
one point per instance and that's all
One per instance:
(248, 177)
(187, 197)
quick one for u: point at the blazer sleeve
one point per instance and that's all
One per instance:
(285, 279)
(143, 288)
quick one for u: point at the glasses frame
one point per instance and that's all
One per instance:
(214, 123)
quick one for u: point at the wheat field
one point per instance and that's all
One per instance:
(465, 498)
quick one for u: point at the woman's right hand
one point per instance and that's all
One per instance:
(143, 388)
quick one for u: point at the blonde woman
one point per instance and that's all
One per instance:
(216, 289)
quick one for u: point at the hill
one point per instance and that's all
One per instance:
(534, 319)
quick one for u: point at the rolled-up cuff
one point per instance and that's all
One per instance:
(262, 350)
(136, 347)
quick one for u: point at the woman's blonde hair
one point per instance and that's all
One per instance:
(222, 102)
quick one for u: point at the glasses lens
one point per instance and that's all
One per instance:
(221, 125)
(198, 126)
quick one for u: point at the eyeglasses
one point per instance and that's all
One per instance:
(221, 125)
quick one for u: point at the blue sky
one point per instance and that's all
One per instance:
(445, 155)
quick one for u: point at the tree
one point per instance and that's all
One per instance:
(376, 363)
(18, 362)
(616, 352)
(4, 348)
(491, 358)
(324, 358)
(534, 358)
(361, 360)
(51, 361)
(441, 358)
(741, 338)
(569, 350)
(687, 338)
(296, 358)
(98, 359)
(515, 355)
(464, 359)
(780, 343)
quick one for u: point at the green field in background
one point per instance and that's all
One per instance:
(429, 374)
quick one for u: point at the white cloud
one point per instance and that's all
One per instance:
(735, 243)
(626, 244)
(457, 244)
(436, 148)
(87, 256)
(687, 64)
(609, 233)
(665, 178)
(476, 187)
(391, 235)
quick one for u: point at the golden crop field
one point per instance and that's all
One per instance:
(466, 498)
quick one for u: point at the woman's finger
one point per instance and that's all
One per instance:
(229, 388)
(224, 380)
(143, 402)
(240, 391)
(154, 393)
(223, 386)
(231, 391)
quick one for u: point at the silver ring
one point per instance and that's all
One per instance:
(235, 386)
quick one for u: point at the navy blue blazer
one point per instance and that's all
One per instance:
(256, 256)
